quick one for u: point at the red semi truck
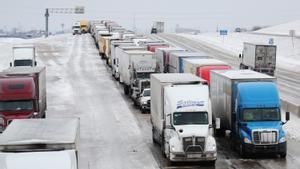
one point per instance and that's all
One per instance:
(22, 94)
(202, 67)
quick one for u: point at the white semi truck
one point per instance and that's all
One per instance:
(135, 69)
(259, 57)
(181, 117)
(118, 53)
(40, 143)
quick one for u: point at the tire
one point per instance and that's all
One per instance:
(126, 91)
(153, 138)
(212, 163)
(242, 151)
(283, 155)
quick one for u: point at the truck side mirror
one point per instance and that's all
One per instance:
(35, 63)
(218, 123)
(287, 116)
(240, 55)
(10, 64)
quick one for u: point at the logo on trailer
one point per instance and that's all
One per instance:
(189, 103)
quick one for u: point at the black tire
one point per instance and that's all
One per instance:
(212, 163)
(153, 138)
(242, 151)
(283, 155)
(126, 91)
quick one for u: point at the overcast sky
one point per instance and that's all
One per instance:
(205, 15)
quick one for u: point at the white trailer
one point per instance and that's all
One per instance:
(135, 64)
(259, 57)
(181, 117)
(23, 56)
(191, 65)
(119, 52)
(176, 60)
(113, 46)
(40, 143)
(162, 57)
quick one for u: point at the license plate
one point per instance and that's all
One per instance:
(194, 156)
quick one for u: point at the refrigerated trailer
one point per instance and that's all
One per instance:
(163, 57)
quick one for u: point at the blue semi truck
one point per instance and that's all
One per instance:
(247, 104)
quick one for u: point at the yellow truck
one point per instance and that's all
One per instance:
(84, 26)
(102, 45)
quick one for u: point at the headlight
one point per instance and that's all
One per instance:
(211, 144)
(282, 139)
(246, 140)
(144, 102)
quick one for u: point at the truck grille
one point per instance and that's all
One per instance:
(193, 144)
(264, 137)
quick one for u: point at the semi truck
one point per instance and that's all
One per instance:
(40, 143)
(119, 52)
(163, 57)
(22, 94)
(248, 105)
(84, 26)
(202, 67)
(23, 56)
(181, 117)
(176, 60)
(158, 27)
(259, 57)
(135, 69)
(76, 28)
(113, 46)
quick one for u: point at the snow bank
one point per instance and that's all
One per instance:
(282, 29)
(287, 54)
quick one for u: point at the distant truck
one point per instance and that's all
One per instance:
(84, 26)
(144, 100)
(176, 60)
(202, 67)
(76, 28)
(23, 56)
(22, 94)
(259, 57)
(135, 69)
(163, 57)
(158, 27)
(119, 52)
(40, 143)
(247, 103)
(181, 117)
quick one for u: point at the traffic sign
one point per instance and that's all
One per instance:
(223, 32)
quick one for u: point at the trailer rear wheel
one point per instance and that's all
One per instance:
(283, 155)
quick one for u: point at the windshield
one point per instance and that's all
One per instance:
(16, 105)
(146, 93)
(272, 114)
(184, 118)
(76, 27)
(143, 75)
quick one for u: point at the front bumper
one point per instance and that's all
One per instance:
(266, 149)
(181, 157)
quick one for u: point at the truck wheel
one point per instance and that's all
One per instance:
(153, 138)
(242, 152)
(126, 90)
(44, 115)
(283, 155)
(212, 163)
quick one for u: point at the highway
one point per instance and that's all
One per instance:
(288, 80)
(113, 133)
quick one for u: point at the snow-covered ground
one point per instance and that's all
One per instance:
(288, 55)
(282, 29)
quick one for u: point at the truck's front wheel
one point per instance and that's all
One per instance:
(242, 150)
(283, 155)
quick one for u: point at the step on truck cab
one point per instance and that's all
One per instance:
(248, 105)
(22, 94)
(23, 56)
(181, 117)
(40, 143)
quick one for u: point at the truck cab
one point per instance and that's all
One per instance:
(258, 123)
(23, 56)
(188, 135)
(76, 28)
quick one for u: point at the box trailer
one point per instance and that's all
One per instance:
(259, 57)
(40, 143)
(176, 60)
(162, 57)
